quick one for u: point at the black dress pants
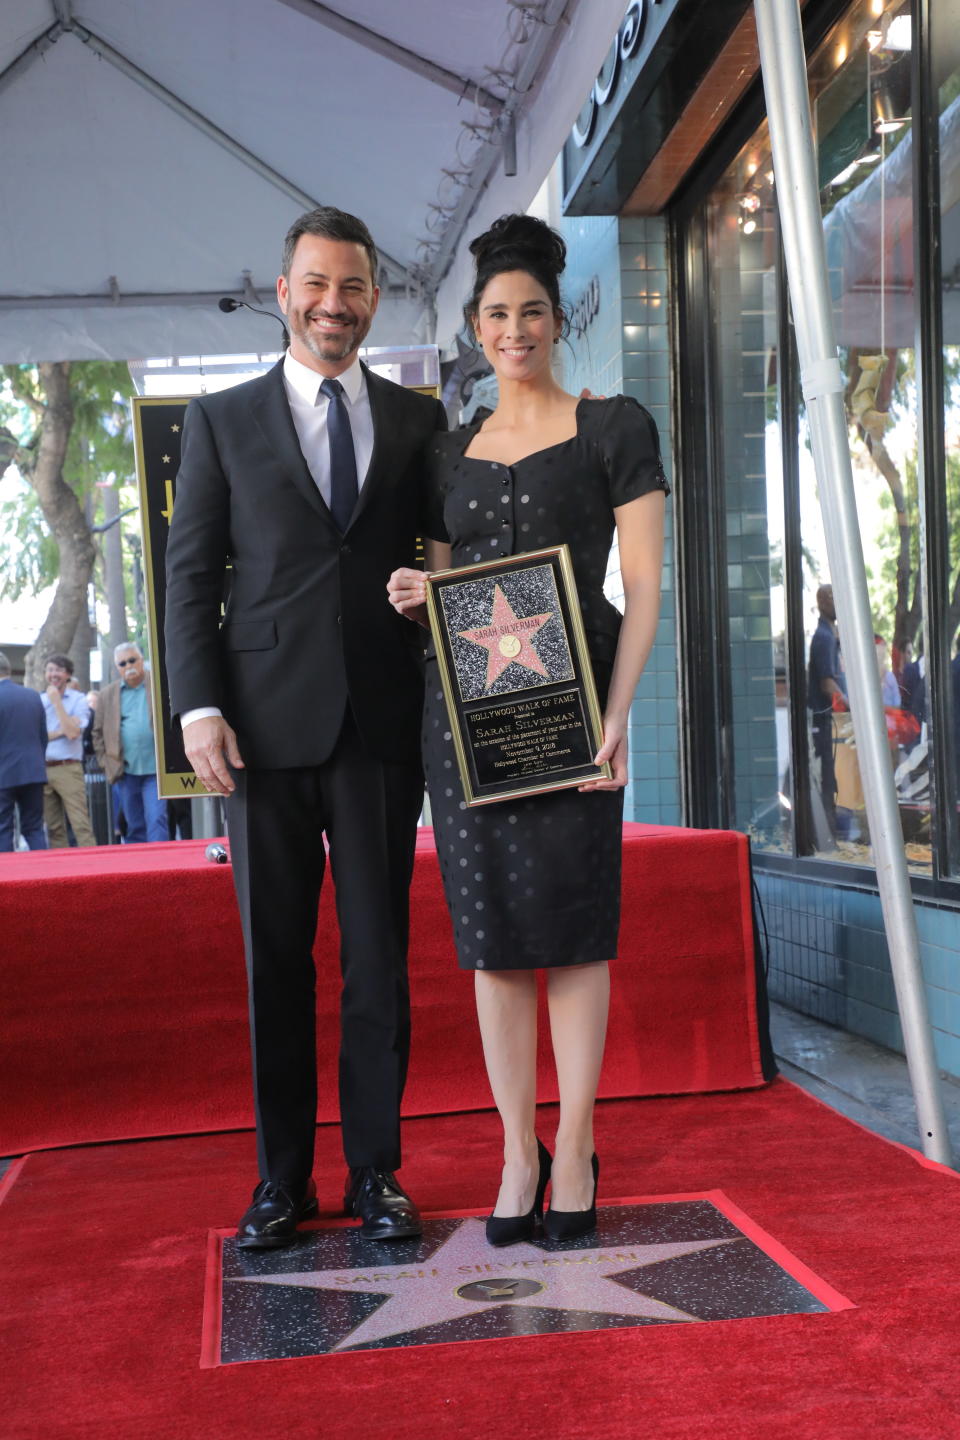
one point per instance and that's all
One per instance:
(276, 822)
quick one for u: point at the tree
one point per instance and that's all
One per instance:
(64, 427)
(897, 589)
(881, 388)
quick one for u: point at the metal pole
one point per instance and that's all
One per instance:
(783, 65)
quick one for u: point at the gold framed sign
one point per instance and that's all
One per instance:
(516, 675)
(157, 431)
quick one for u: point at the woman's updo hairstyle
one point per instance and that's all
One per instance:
(518, 242)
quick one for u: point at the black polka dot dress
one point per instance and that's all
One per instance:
(535, 883)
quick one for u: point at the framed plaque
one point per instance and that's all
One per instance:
(157, 430)
(516, 675)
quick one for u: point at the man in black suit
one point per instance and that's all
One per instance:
(23, 768)
(304, 708)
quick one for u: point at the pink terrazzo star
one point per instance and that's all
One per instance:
(465, 1275)
(507, 638)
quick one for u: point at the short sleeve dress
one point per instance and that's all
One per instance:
(535, 883)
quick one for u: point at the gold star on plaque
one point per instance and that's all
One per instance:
(165, 459)
(175, 429)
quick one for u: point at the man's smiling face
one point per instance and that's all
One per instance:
(329, 299)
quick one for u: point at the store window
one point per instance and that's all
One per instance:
(861, 90)
(945, 53)
(791, 771)
(769, 743)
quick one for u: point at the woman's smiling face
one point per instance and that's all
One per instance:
(516, 325)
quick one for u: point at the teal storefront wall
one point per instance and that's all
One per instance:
(625, 348)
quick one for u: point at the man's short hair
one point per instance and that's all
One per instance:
(64, 662)
(331, 224)
(122, 649)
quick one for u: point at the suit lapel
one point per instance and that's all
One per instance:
(271, 412)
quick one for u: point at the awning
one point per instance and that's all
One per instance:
(157, 150)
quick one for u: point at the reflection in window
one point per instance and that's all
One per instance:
(945, 17)
(860, 82)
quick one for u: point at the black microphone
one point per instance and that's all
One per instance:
(228, 304)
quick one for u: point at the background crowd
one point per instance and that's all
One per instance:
(80, 769)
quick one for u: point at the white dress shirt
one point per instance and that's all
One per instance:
(309, 410)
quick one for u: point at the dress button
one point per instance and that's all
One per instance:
(505, 525)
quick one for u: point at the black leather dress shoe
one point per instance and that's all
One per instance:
(377, 1200)
(272, 1219)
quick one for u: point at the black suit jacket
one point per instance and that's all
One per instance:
(308, 626)
(23, 736)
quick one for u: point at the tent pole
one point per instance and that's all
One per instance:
(783, 64)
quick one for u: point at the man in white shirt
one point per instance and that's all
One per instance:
(65, 793)
(304, 708)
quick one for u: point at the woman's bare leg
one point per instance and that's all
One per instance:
(578, 997)
(507, 1011)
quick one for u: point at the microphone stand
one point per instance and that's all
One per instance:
(228, 304)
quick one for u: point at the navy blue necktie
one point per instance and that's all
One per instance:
(343, 457)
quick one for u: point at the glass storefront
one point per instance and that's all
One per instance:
(945, 59)
(861, 88)
(767, 744)
(788, 753)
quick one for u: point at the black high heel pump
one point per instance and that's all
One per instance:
(511, 1229)
(569, 1224)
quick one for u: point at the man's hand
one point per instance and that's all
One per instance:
(70, 728)
(210, 744)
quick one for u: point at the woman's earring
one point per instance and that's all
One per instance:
(556, 339)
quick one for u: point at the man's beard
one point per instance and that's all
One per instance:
(328, 347)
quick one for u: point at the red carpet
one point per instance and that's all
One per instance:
(104, 1274)
(124, 997)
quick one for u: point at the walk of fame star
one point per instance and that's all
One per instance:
(651, 1263)
(439, 1290)
(507, 638)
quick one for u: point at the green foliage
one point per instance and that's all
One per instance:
(903, 404)
(101, 443)
(29, 553)
(100, 448)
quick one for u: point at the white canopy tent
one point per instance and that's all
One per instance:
(157, 150)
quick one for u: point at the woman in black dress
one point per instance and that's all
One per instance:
(535, 884)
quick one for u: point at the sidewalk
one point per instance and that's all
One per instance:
(863, 1081)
